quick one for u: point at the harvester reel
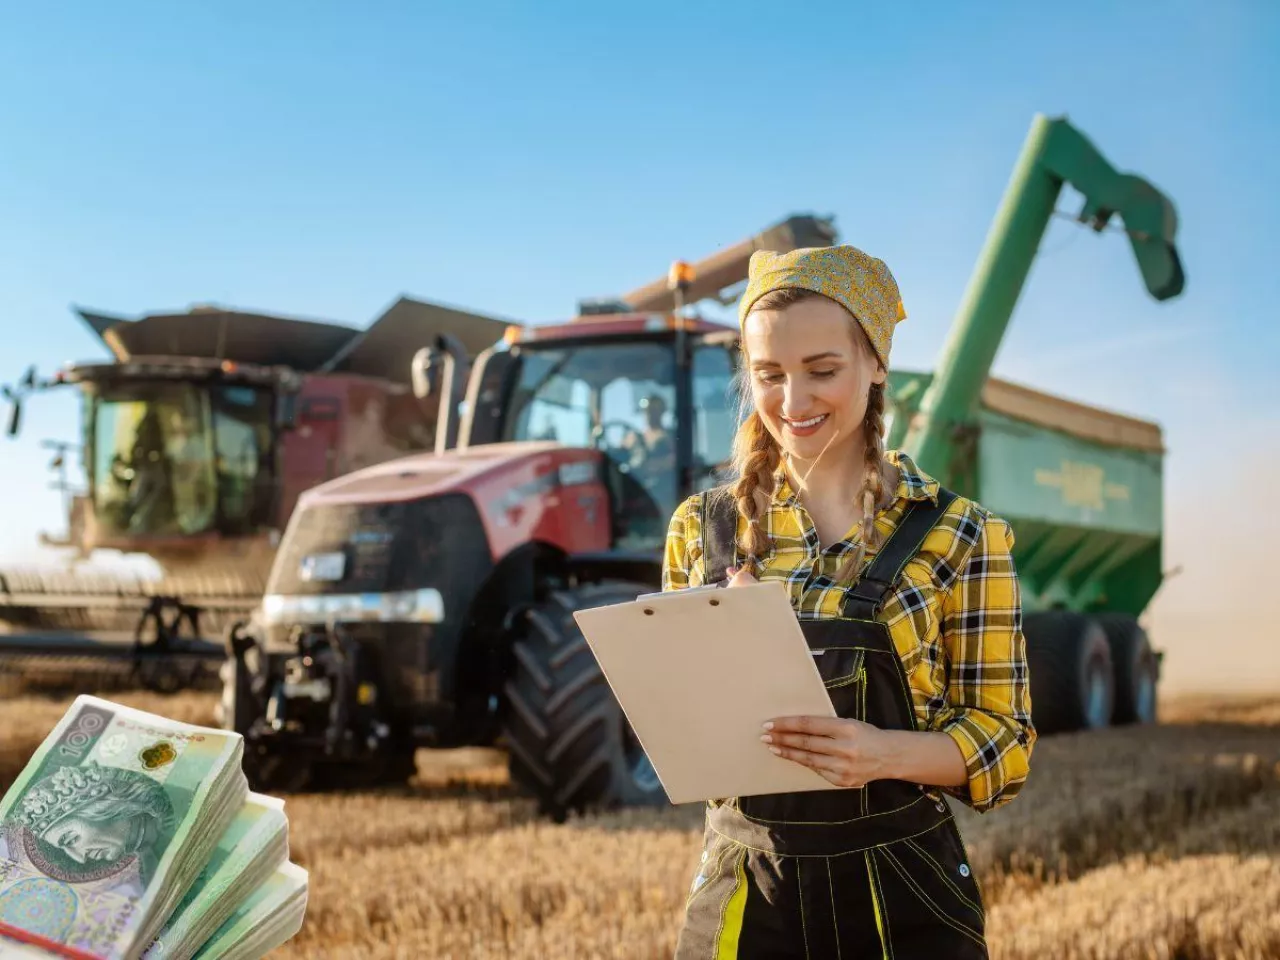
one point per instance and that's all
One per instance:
(155, 641)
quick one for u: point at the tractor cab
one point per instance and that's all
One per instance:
(653, 394)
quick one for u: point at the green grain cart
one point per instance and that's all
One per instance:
(1081, 486)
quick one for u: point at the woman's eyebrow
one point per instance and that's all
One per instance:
(811, 359)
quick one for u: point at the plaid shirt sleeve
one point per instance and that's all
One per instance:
(684, 541)
(989, 698)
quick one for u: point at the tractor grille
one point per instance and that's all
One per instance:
(438, 542)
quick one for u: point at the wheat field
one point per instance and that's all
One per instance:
(1153, 844)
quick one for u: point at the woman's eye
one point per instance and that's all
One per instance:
(824, 374)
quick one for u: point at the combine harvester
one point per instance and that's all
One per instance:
(200, 435)
(428, 601)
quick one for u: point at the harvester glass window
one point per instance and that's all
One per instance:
(242, 440)
(153, 460)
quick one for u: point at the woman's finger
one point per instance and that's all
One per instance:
(808, 742)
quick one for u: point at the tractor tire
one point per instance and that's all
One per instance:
(570, 744)
(1137, 669)
(1072, 681)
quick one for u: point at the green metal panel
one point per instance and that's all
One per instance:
(1036, 473)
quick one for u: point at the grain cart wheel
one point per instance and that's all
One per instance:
(1137, 669)
(1072, 685)
(569, 741)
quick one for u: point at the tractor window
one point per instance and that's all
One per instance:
(716, 413)
(618, 397)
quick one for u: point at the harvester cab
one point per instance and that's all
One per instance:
(197, 438)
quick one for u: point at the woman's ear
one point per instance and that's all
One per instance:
(880, 375)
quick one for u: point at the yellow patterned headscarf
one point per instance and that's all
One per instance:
(860, 283)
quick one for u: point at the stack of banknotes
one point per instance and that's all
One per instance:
(132, 836)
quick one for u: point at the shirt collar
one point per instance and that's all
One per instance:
(913, 483)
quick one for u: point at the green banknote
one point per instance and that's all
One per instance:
(254, 845)
(268, 917)
(109, 822)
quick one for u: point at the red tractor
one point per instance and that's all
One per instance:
(427, 600)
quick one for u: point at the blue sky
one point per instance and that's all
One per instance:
(320, 159)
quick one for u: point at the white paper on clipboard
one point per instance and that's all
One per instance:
(697, 673)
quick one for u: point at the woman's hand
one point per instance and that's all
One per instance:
(848, 753)
(740, 576)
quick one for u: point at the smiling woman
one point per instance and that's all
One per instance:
(908, 598)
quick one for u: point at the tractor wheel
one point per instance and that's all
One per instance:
(1072, 684)
(1137, 669)
(569, 741)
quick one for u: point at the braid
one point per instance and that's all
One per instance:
(873, 485)
(756, 457)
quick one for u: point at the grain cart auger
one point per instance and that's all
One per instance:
(199, 434)
(1082, 487)
(428, 600)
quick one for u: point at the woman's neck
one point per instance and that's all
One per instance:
(836, 475)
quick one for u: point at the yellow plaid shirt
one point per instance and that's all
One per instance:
(955, 616)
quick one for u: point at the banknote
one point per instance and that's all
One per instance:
(268, 917)
(254, 845)
(111, 820)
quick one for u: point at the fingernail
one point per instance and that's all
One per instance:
(775, 751)
(767, 739)
(768, 725)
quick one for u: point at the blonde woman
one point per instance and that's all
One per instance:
(910, 592)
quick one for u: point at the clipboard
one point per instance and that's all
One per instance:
(697, 672)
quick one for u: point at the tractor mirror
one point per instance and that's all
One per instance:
(15, 417)
(425, 372)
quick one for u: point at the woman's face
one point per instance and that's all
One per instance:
(810, 374)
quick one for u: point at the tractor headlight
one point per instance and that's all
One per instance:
(405, 606)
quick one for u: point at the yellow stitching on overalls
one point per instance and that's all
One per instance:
(728, 949)
(739, 879)
(835, 924)
(942, 874)
(928, 900)
(718, 866)
(878, 906)
(832, 823)
(804, 927)
(828, 853)
(900, 674)
(862, 715)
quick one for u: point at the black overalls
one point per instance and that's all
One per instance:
(879, 871)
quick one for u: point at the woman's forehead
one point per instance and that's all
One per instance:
(794, 333)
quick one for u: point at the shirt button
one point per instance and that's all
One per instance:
(964, 869)
(942, 807)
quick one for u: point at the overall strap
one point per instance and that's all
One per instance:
(719, 521)
(864, 598)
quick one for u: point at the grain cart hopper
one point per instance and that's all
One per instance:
(428, 601)
(198, 437)
(1081, 486)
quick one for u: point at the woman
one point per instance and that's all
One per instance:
(910, 592)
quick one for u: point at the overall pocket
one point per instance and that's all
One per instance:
(844, 674)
